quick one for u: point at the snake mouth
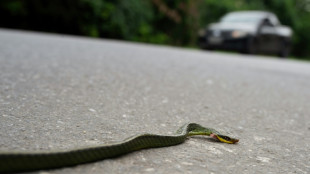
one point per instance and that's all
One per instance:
(224, 138)
(214, 136)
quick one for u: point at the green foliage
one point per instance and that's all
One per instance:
(130, 18)
(154, 21)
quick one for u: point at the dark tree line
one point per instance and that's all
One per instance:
(173, 22)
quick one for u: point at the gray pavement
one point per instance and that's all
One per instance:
(62, 92)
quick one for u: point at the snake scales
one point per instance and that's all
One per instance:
(28, 161)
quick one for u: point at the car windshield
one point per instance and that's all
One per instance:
(241, 18)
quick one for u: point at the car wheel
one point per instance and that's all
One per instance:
(284, 49)
(250, 46)
(209, 48)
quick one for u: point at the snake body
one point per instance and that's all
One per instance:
(29, 161)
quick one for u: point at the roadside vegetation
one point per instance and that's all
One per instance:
(170, 22)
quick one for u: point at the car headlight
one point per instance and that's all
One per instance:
(238, 33)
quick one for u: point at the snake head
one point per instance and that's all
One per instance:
(224, 138)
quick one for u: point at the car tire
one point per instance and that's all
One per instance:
(250, 46)
(284, 49)
(209, 48)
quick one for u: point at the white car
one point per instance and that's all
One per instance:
(248, 32)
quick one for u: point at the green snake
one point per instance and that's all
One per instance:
(29, 161)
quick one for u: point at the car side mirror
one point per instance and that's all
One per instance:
(267, 28)
(267, 22)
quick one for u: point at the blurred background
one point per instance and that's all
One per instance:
(169, 22)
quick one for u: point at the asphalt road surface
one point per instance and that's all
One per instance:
(62, 92)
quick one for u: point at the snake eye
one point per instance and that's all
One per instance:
(225, 137)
